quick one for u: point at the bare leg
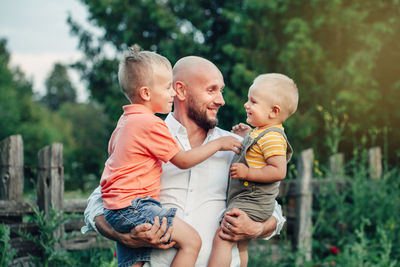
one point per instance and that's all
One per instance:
(244, 256)
(221, 254)
(188, 244)
(138, 264)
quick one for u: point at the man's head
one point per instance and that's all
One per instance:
(272, 97)
(198, 84)
(146, 77)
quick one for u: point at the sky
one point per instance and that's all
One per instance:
(38, 35)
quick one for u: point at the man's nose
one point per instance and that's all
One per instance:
(219, 99)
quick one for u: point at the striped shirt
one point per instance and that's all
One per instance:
(271, 144)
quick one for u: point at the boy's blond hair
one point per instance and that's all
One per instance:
(282, 89)
(136, 69)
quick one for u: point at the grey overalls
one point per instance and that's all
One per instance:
(256, 199)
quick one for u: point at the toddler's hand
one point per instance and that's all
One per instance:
(230, 143)
(241, 129)
(239, 171)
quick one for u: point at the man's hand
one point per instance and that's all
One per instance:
(236, 225)
(144, 235)
(152, 235)
(241, 129)
(239, 171)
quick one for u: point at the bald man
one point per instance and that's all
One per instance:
(199, 193)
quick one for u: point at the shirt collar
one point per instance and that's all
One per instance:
(135, 108)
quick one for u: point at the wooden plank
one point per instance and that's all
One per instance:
(336, 165)
(50, 185)
(15, 208)
(89, 240)
(75, 205)
(304, 205)
(12, 168)
(375, 162)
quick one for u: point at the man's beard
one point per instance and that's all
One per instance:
(199, 116)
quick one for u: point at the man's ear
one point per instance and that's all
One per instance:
(275, 111)
(180, 89)
(144, 93)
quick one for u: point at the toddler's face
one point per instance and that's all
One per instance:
(162, 92)
(258, 105)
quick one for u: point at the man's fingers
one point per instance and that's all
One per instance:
(166, 237)
(142, 228)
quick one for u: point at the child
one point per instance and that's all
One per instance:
(261, 164)
(131, 178)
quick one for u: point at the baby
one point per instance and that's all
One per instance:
(260, 166)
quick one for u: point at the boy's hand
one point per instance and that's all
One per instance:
(239, 171)
(230, 143)
(241, 129)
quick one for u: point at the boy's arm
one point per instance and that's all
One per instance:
(274, 171)
(187, 159)
(236, 225)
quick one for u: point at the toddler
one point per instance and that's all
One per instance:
(261, 164)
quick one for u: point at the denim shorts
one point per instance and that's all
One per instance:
(142, 210)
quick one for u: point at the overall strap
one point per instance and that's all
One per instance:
(289, 150)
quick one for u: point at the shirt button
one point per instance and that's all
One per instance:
(245, 183)
(191, 190)
(187, 213)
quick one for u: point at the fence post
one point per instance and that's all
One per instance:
(12, 168)
(50, 184)
(336, 163)
(375, 162)
(304, 204)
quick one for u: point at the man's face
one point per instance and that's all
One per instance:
(205, 98)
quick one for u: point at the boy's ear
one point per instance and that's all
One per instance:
(180, 89)
(275, 111)
(144, 93)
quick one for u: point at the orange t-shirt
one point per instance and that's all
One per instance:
(137, 146)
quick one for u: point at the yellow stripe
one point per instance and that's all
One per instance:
(271, 144)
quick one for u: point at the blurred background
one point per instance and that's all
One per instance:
(343, 55)
(61, 82)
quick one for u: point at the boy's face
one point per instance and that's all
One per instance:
(258, 105)
(162, 92)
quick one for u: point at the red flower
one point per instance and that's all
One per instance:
(334, 250)
(115, 254)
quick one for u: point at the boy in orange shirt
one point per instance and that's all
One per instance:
(261, 164)
(131, 178)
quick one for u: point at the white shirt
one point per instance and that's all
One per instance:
(198, 193)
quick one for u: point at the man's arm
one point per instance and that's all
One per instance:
(237, 226)
(145, 235)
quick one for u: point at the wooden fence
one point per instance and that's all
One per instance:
(50, 194)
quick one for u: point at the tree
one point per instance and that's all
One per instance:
(59, 88)
(84, 159)
(338, 52)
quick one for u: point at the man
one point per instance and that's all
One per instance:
(199, 194)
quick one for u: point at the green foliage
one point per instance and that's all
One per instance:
(59, 88)
(5, 246)
(85, 157)
(46, 240)
(334, 50)
(94, 257)
(355, 223)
